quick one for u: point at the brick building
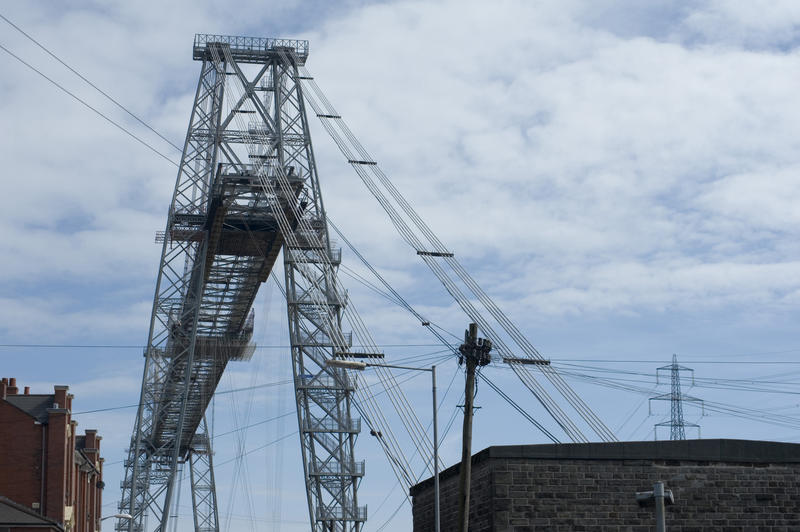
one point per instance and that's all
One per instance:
(45, 466)
(726, 485)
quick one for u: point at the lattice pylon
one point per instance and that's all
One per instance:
(676, 424)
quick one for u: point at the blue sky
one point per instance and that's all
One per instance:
(620, 176)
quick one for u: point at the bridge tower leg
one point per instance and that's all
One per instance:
(204, 491)
(315, 305)
(160, 438)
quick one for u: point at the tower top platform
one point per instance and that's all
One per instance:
(249, 49)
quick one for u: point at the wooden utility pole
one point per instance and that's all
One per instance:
(466, 443)
(474, 352)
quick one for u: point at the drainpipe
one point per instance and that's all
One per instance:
(43, 470)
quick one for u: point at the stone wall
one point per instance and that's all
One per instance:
(718, 485)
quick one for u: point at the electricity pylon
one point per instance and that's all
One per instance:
(246, 189)
(676, 423)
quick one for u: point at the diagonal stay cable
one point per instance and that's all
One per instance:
(290, 235)
(540, 393)
(90, 107)
(89, 82)
(329, 114)
(411, 239)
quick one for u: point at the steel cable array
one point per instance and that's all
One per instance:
(399, 300)
(539, 392)
(398, 399)
(330, 114)
(763, 416)
(370, 410)
(349, 145)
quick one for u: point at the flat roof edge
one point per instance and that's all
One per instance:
(714, 450)
(711, 450)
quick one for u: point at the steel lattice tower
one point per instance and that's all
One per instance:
(246, 189)
(676, 423)
(677, 427)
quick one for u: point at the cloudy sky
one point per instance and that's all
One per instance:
(621, 176)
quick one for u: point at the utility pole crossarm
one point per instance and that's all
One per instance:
(529, 361)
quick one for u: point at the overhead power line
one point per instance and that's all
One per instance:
(223, 392)
(652, 361)
(90, 107)
(123, 346)
(762, 362)
(95, 87)
(761, 416)
(245, 453)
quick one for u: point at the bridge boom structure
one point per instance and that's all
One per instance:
(246, 180)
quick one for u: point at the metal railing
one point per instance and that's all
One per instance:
(306, 256)
(352, 468)
(332, 425)
(325, 382)
(321, 339)
(249, 48)
(350, 512)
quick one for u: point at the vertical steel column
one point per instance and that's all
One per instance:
(314, 307)
(152, 462)
(204, 492)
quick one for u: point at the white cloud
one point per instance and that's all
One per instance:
(592, 152)
(761, 23)
(59, 319)
(763, 200)
(583, 168)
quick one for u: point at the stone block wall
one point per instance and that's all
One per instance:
(724, 485)
(480, 506)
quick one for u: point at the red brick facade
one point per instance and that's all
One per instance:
(44, 464)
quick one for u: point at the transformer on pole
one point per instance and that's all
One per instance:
(246, 189)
